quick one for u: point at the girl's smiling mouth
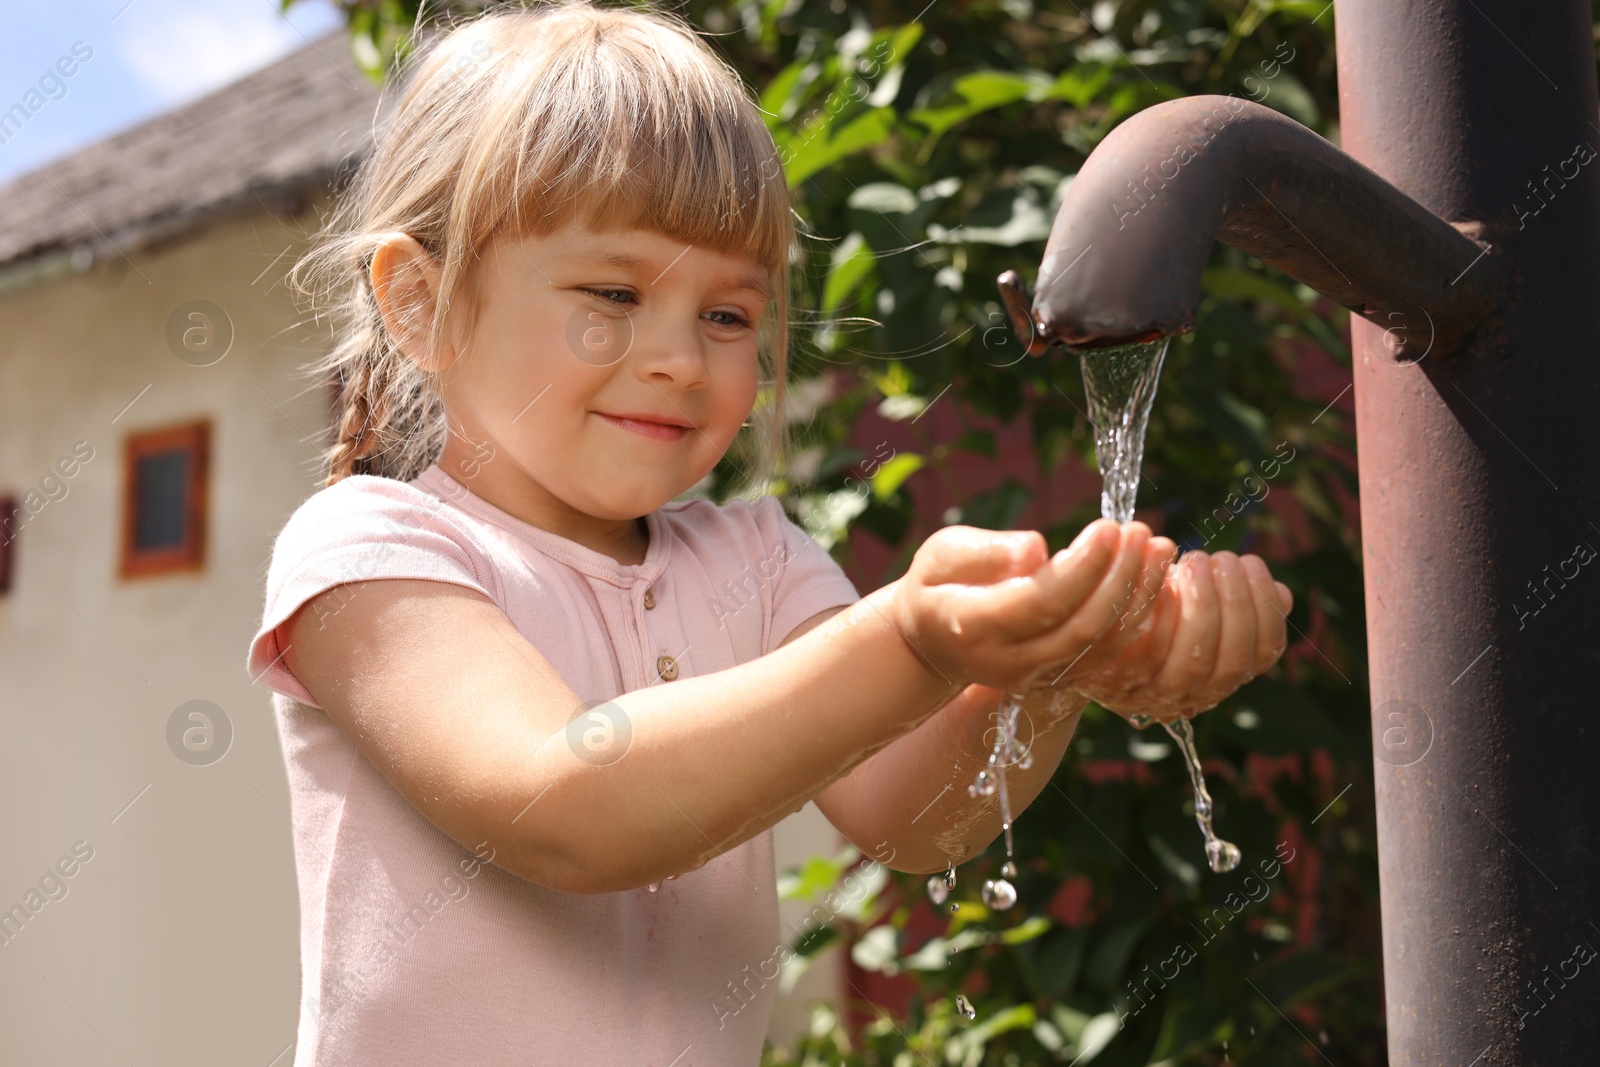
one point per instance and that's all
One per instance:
(658, 427)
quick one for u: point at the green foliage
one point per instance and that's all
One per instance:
(926, 158)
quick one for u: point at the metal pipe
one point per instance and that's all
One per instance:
(1479, 505)
(1137, 224)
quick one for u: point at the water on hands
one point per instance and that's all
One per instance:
(1120, 384)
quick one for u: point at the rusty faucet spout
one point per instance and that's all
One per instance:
(1136, 227)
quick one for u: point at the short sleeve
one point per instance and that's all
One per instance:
(361, 528)
(807, 580)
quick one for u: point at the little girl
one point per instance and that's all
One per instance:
(534, 756)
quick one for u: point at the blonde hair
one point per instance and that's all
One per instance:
(517, 122)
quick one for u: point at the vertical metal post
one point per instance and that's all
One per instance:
(1480, 518)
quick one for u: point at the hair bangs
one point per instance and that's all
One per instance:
(669, 148)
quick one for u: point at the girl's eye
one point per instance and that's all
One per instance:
(608, 293)
(734, 319)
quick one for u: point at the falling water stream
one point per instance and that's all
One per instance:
(1120, 384)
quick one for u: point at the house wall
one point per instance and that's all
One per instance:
(176, 939)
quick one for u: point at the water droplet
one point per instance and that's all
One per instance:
(999, 894)
(954, 908)
(653, 886)
(938, 892)
(984, 785)
(1025, 761)
(964, 1006)
(950, 876)
(1139, 720)
(1008, 869)
(1223, 856)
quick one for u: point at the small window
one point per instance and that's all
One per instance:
(10, 526)
(164, 500)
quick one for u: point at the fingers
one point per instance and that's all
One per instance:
(1272, 601)
(1236, 624)
(1076, 629)
(1159, 553)
(1131, 625)
(966, 555)
(1194, 644)
(1216, 624)
(1131, 672)
(1027, 606)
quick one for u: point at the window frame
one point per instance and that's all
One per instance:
(189, 555)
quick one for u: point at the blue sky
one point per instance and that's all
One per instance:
(147, 56)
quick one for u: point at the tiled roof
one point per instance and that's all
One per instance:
(272, 135)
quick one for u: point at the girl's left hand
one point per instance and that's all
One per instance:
(1218, 621)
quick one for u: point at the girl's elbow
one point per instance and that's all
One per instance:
(555, 865)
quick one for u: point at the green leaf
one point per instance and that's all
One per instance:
(1289, 95)
(875, 951)
(817, 875)
(1019, 1017)
(852, 262)
(1007, 217)
(781, 99)
(1110, 957)
(1098, 1033)
(935, 955)
(893, 474)
(977, 92)
(886, 198)
(1027, 930)
(820, 147)
(1253, 419)
(1079, 85)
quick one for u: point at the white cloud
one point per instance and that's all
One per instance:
(182, 49)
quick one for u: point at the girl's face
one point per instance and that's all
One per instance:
(607, 373)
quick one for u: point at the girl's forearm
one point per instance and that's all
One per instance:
(713, 760)
(913, 793)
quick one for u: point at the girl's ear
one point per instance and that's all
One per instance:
(405, 283)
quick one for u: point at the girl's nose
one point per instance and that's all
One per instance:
(672, 355)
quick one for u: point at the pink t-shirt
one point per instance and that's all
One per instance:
(415, 949)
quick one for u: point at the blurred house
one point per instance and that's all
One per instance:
(154, 437)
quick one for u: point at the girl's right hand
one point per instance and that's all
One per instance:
(987, 607)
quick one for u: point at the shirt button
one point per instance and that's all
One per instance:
(667, 667)
(649, 599)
